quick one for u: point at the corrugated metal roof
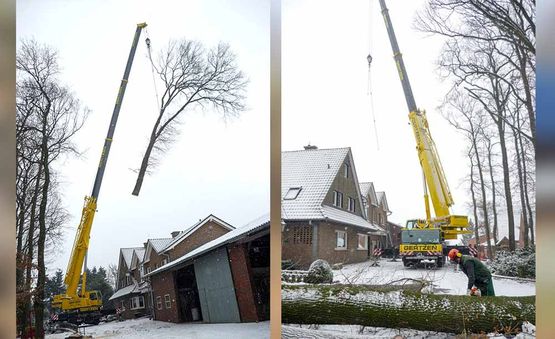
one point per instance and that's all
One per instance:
(314, 171)
(229, 237)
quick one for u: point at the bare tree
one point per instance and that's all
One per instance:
(48, 117)
(193, 77)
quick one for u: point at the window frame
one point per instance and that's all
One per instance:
(351, 205)
(135, 302)
(345, 237)
(167, 300)
(293, 193)
(365, 248)
(346, 167)
(337, 199)
(159, 305)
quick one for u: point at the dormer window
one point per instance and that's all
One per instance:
(292, 193)
(338, 199)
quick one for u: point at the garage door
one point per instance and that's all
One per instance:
(216, 291)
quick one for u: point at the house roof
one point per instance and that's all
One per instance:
(254, 226)
(383, 201)
(186, 233)
(313, 171)
(367, 190)
(127, 254)
(160, 243)
(133, 288)
(137, 258)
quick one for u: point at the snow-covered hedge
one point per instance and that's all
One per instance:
(520, 263)
(319, 272)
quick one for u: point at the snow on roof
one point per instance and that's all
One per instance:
(255, 225)
(183, 235)
(342, 216)
(314, 171)
(383, 200)
(367, 189)
(128, 254)
(160, 243)
(138, 253)
(133, 288)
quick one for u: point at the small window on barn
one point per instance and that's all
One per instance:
(340, 240)
(338, 199)
(292, 193)
(167, 301)
(302, 235)
(159, 302)
(362, 242)
(137, 302)
(351, 205)
(346, 170)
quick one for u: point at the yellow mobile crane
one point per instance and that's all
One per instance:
(78, 305)
(423, 239)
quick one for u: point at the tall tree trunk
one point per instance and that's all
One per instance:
(523, 61)
(474, 208)
(484, 198)
(26, 321)
(493, 193)
(526, 193)
(146, 157)
(524, 219)
(41, 279)
(507, 185)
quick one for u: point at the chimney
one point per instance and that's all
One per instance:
(309, 147)
(174, 234)
(144, 244)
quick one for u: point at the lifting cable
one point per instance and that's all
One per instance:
(369, 59)
(152, 68)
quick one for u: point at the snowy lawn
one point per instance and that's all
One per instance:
(145, 328)
(445, 280)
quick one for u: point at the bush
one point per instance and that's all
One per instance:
(520, 263)
(319, 272)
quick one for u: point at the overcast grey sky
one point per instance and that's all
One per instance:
(325, 99)
(212, 168)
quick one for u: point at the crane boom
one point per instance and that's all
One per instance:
(90, 300)
(435, 182)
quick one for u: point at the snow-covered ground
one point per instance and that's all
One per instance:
(145, 328)
(445, 279)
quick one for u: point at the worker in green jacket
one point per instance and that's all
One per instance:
(479, 277)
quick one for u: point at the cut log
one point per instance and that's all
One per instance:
(393, 308)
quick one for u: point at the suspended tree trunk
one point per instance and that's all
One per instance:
(317, 304)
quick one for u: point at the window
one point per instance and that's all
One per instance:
(123, 304)
(159, 302)
(351, 205)
(137, 302)
(338, 199)
(346, 170)
(362, 242)
(302, 235)
(165, 261)
(167, 301)
(148, 270)
(292, 193)
(340, 240)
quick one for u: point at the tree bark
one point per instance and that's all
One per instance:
(476, 233)
(484, 198)
(325, 304)
(493, 192)
(519, 159)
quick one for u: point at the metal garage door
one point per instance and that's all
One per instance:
(216, 291)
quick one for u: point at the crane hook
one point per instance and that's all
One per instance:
(147, 40)
(369, 58)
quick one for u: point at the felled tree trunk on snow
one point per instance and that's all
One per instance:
(356, 305)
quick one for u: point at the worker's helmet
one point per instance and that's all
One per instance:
(454, 253)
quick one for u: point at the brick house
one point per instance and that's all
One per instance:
(323, 214)
(133, 295)
(377, 211)
(395, 231)
(224, 280)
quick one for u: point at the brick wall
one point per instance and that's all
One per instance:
(327, 244)
(204, 234)
(296, 252)
(241, 272)
(162, 284)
